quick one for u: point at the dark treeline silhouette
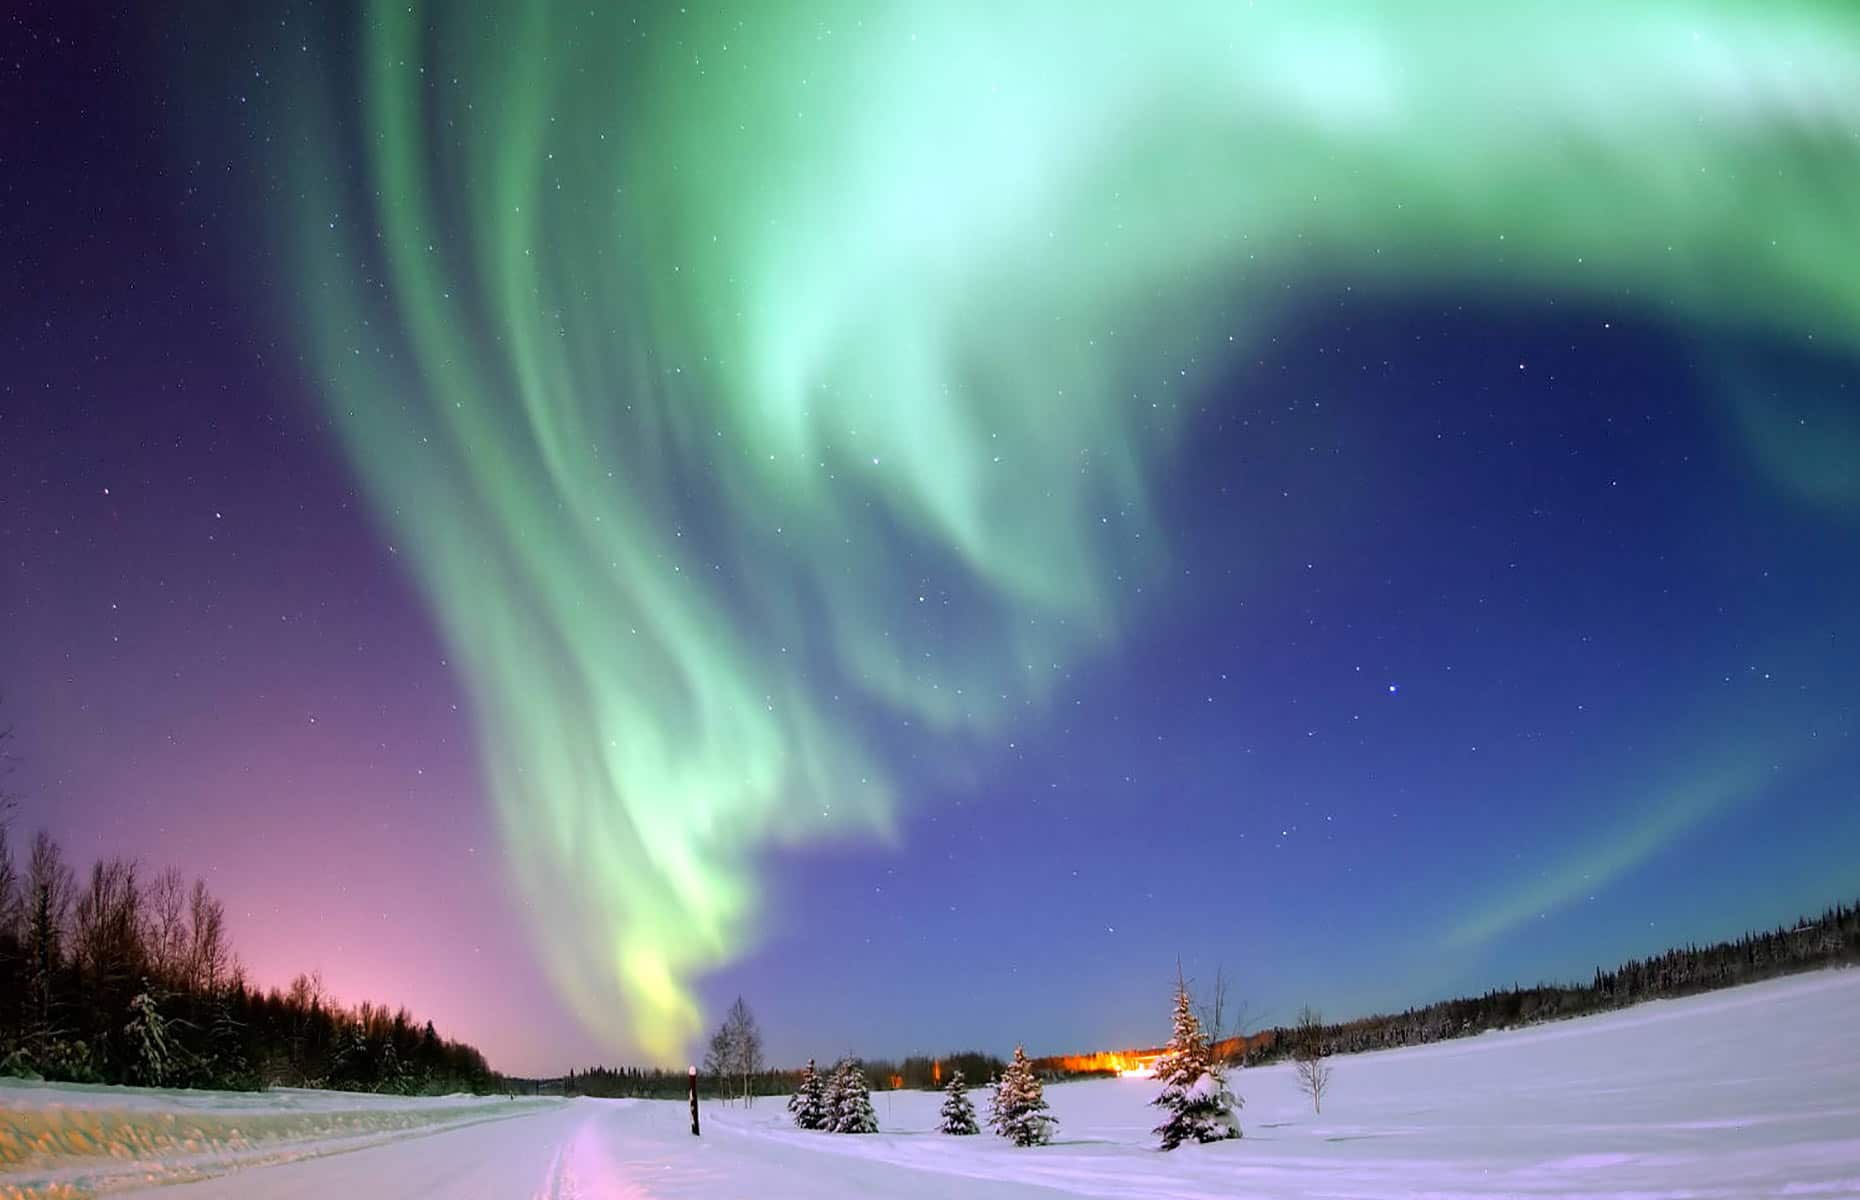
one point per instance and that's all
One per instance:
(918, 1071)
(654, 1083)
(1828, 940)
(922, 1072)
(113, 977)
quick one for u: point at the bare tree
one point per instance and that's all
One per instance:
(1309, 1051)
(746, 1040)
(110, 960)
(7, 759)
(208, 957)
(1222, 1017)
(12, 906)
(12, 901)
(49, 887)
(720, 1058)
(106, 940)
(167, 934)
(307, 991)
(735, 1053)
(306, 998)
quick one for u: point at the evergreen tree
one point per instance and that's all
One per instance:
(831, 1098)
(353, 1068)
(809, 1102)
(958, 1113)
(158, 1057)
(1019, 1111)
(1194, 1094)
(849, 1099)
(393, 1077)
(225, 1037)
(430, 1052)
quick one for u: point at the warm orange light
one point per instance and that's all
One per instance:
(1122, 1062)
(1142, 1063)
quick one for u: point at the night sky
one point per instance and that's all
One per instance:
(564, 519)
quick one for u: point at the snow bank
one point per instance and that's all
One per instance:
(64, 1139)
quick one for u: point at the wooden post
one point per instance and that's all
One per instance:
(694, 1116)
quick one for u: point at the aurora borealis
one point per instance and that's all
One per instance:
(806, 422)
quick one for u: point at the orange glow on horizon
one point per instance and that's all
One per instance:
(1132, 1064)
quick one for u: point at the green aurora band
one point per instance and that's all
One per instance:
(683, 353)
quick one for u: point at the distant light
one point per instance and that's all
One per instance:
(1394, 688)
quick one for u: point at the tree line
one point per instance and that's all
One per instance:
(1827, 940)
(112, 976)
(734, 1071)
(917, 1073)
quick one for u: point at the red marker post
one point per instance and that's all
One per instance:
(694, 1119)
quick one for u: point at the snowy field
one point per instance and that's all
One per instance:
(1740, 1094)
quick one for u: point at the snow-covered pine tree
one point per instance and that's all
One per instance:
(352, 1067)
(1195, 1093)
(809, 1102)
(392, 1078)
(830, 1095)
(1019, 1110)
(849, 1099)
(157, 1054)
(958, 1113)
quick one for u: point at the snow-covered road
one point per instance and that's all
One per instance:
(583, 1150)
(1753, 1092)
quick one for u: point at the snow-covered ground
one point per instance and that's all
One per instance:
(70, 1140)
(1747, 1093)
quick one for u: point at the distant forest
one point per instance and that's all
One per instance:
(1831, 939)
(918, 1071)
(112, 977)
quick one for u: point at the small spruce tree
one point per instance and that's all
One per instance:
(1019, 1111)
(830, 1095)
(809, 1102)
(1195, 1094)
(159, 1058)
(849, 1099)
(958, 1113)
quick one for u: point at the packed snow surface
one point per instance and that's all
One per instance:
(1753, 1092)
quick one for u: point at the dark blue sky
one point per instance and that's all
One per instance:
(1487, 650)
(1606, 638)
